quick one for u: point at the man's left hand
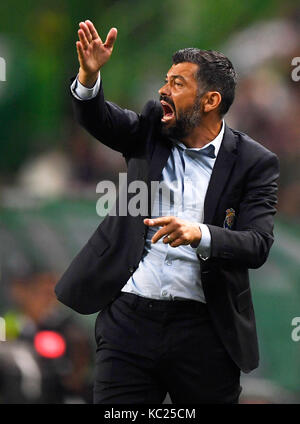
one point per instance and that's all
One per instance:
(175, 231)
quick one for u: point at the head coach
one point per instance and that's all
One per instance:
(172, 289)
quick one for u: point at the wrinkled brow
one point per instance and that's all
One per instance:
(176, 76)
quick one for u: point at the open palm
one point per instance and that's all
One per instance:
(92, 52)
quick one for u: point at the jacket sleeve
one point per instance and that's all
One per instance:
(249, 244)
(119, 129)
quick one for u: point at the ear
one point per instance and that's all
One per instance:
(211, 101)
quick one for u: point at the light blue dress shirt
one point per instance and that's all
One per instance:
(165, 272)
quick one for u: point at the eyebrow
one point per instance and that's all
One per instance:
(176, 76)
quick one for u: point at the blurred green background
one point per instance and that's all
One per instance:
(49, 167)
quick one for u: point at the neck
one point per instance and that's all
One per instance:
(204, 133)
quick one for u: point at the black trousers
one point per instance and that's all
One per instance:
(148, 348)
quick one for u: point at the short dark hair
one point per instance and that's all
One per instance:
(215, 73)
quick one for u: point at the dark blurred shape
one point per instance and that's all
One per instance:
(48, 361)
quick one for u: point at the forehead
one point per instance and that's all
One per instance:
(186, 69)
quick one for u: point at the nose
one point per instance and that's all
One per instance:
(164, 90)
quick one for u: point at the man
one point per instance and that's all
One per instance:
(176, 313)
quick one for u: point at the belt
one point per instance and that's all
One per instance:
(176, 304)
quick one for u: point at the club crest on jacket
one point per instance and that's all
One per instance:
(229, 218)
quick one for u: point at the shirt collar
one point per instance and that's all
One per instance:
(216, 142)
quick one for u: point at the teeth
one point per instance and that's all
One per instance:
(167, 109)
(168, 112)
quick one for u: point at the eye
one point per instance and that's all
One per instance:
(178, 84)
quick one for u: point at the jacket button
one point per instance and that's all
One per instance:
(131, 269)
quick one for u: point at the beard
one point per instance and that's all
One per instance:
(186, 120)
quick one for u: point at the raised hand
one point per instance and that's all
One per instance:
(92, 52)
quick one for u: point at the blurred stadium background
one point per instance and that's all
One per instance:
(49, 169)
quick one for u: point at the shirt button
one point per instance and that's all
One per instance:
(165, 293)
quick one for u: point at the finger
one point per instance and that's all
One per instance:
(177, 242)
(111, 38)
(93, 30)
(158, 221)
(80, 50)
(149, 222)
(168, 240)
(158, 235)
(161, 233)
(86, 31)
(82, 38)
(172, 236)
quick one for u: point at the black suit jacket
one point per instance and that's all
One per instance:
(243, 178)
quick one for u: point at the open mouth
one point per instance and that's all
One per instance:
(168, 112)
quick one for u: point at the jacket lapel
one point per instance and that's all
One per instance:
(159, 159)
(224, 163)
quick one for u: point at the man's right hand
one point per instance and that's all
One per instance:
(92, 52)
